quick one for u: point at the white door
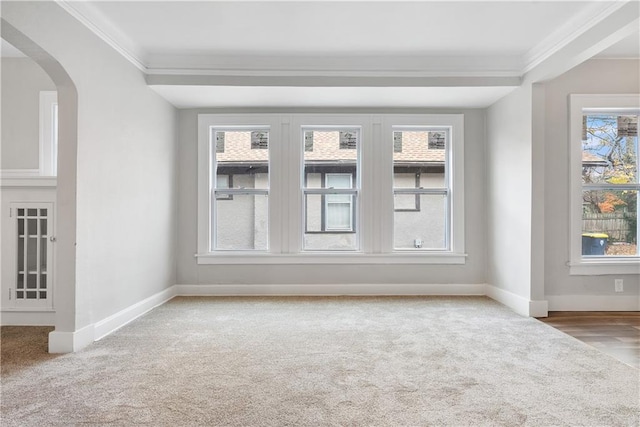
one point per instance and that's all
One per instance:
(27, 265)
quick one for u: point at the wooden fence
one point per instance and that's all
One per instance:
(620, 226)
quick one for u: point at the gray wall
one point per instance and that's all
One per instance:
(126, 167)
(189, 272)
(508, 169)
(592, 77)
(22, 81)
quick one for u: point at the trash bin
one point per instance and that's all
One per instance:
(594, 243)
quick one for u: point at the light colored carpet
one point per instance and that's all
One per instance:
(327, 361)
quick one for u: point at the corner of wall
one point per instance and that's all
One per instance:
(69, 342)
(519, 304)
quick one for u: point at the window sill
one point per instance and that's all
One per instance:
(330, 258)
(28, 181)
(601, 266)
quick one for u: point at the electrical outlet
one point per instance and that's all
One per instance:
(619, 285)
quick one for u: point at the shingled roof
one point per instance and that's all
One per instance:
(326, 148)
(589, 159)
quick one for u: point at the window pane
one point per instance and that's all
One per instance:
(32, 254)
(420, 161)
(609, 149)
(338, 180)
(334, 151)
(329, 212)
(405, 202)
(419, 158)
(424, 228)
(32, 280)
(339, 215)
(338, 212)
(330, 162)
(242, 159)
(609, 223)
(222, 181)
(329, 221)
(242, 162)
(313, 209)
(242, 223)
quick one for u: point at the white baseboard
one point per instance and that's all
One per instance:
(121, 318)
(27, 318)
(328, 290)
(517, 303)
(69, 342)
(594, 302)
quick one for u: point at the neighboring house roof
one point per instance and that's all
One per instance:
(326, 148)
(415, 149)
(589, 159)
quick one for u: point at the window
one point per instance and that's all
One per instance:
(330, 188)
(420, 188)
(241, 204)
(605, 187)
(338, 207)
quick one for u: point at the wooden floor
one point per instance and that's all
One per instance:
(614, 333)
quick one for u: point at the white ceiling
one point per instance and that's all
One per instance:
(493, 42)
(389, 28)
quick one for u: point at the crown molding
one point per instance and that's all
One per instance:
(331, 73)
(577, 26)
(406, 66)
(101, 27)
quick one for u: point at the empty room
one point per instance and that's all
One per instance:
(268, 213)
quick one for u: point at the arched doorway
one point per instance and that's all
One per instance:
(62, 338)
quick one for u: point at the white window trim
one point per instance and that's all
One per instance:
(375, 172)
(48, 133)
(579, 265)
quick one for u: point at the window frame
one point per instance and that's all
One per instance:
(454, 176)
(579, 104)
(419, 191)
(375, 189)
(207, 125)
(303, 123)
(226, 193)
